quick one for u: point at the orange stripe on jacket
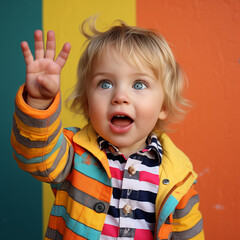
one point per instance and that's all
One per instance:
(166, 229)
(39, 114)
(182, 204)
(60, 226)
(68, 133)
(90, 186)
(33, 152)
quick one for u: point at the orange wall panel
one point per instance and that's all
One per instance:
(205, 38)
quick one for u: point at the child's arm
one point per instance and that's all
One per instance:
(43, 73)
(40, 144)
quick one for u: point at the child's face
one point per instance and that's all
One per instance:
(124, 102)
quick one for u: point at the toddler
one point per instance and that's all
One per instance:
(121, 176)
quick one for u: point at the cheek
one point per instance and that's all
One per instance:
(151, 115)
(91, 108)
(95, 110)
(150, 109)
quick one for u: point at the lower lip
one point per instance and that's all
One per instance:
(119, 129)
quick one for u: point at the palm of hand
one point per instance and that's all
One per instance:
(43, 69)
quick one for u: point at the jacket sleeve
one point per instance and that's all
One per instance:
(39, 144)
(187, 219)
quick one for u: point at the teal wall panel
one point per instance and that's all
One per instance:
(21, 195)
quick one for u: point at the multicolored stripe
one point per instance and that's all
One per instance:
(186, 208)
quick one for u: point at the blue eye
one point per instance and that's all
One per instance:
(105, 85)
(139, 85)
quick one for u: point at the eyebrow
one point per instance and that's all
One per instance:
(102, 74)
(112, 74)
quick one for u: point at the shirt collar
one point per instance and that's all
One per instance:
(152, 145)
(103, 144)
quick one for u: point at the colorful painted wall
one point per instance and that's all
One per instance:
(205, 37)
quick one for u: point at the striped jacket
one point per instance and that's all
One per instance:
(79, 174)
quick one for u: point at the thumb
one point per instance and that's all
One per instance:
(47, 86)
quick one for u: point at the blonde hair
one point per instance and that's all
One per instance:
(137, 44)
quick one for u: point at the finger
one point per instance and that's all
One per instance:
(39, 46)
(63, 55)
(28, 57)
(51, 45)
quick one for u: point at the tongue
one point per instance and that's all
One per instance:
(121, 122)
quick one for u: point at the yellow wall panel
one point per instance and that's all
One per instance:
(65, 18)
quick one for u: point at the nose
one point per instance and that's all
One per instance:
(120, 97)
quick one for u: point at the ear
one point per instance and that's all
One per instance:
(163, 114)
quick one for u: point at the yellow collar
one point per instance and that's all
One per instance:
(87, 138)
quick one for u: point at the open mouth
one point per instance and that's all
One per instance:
(121, 120)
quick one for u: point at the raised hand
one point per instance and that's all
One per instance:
(43, 72)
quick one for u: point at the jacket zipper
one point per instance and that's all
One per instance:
(165, 199)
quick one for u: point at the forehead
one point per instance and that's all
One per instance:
(132, 57)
